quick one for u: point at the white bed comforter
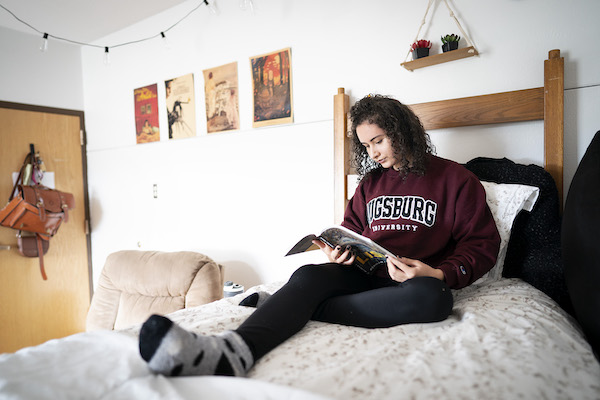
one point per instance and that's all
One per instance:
(504, 340)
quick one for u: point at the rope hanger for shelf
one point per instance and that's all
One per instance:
(462, 31)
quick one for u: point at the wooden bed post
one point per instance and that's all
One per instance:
(554, 118)
(341, 153)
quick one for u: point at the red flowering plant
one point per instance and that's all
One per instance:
(420, 48)
(421, 44)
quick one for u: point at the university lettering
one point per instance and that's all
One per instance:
(410, 208)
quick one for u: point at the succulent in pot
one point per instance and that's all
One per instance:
(450, 42)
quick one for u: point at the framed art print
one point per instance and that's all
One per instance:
(146, 114)
(272, 88)
(221, 96)
(181, 106)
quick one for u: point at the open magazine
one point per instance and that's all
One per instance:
(369, 255)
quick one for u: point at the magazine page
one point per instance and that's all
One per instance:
(369, 255)
(303, 245)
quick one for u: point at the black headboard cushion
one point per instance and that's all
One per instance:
(534, 250)
(581, 242)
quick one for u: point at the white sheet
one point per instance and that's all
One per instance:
(107, 365)
(503, 340)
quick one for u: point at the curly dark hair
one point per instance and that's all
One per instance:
(410, 141)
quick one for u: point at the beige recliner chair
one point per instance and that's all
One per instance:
(136, 284)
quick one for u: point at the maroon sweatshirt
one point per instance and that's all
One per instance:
(441, 219)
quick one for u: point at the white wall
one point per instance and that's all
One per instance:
(245, 197)
(52, 79)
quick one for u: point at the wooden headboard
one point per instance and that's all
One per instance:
(543, 103)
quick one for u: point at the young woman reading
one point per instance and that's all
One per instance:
(429, 211)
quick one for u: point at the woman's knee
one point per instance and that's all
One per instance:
(435, 299)
(315, 271)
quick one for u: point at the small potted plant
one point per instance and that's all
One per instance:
(450, 42)
(420, 48)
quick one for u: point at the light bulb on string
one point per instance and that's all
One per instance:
(213, 10)
(165, 41)
(247, 5)
(106, 56)
(44, 46)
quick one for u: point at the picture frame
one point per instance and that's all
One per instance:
(222, 99)
(272, 88)
(181, 109)
(146, 114)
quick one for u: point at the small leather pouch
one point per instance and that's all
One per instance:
(28, 246)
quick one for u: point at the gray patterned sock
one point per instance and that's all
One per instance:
(171, 350)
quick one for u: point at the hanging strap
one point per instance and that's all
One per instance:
(462, 31)
(20, 177)
(420, 26)
(464, 34)
(24, 176)
(27, 172)
(40, 249)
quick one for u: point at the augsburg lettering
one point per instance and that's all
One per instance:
(412, 208)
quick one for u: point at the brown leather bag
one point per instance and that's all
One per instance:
(35, 211)
(38, 210)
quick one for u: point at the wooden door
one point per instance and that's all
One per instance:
(33, 310)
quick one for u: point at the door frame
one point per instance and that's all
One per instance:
(82, 135)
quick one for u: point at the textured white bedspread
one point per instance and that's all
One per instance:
(106, 365)
(504, 340)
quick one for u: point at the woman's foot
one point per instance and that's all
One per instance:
(255, 299)
(171, 350)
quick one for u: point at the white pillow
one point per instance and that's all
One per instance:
(506, 200)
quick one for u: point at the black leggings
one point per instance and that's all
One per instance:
(343, 295)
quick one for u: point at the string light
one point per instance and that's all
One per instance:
(44, 46)
(211, 7)
(106, 56)
(165, 41)
(247, 5)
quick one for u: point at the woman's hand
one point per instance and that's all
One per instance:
(337, 255)
(402, 269)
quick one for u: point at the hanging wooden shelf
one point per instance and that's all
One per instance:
(440, 58)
